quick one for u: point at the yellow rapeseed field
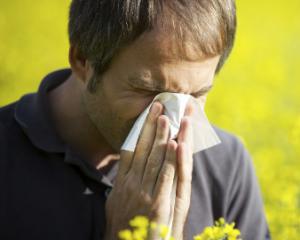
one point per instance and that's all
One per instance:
(256, 95)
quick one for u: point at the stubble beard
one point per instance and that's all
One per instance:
(110, 126)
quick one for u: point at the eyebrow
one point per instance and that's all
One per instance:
(140, 82)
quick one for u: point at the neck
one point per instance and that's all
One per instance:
(75, 127)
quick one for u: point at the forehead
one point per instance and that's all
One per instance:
(163, 45)
(157, 59)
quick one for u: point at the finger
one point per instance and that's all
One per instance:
(145, 140)
(157, 155)
(184, 170)
(124, 162)
(164, 186)
(185, 134)
(183, 192)
(164, 183)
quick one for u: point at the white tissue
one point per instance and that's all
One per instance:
(174, 108)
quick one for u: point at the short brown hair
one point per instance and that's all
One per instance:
(99, 29)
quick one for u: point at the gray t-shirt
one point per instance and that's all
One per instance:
(49, 192)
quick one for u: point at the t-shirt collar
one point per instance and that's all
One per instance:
(32, 114)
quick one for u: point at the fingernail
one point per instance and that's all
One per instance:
(155, 109)
(161, 122)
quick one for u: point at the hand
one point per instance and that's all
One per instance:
(145, 178)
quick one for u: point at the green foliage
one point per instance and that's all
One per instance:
(256, 95)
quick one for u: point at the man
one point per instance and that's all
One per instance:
(60, 148)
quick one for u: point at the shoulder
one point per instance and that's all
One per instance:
(224, 177)
(233, 157)
(10, 130)
(231, 150)
(7, 113)
(224, 164)
(233, 174)
(231, 145)
(7, 119)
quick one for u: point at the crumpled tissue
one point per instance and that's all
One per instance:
(174, 108)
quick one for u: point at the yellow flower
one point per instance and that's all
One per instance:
(220, 231)
(220, 222)
(140, 233)
(164, 230)
(153, 225)
(139, 222)
(125, 235)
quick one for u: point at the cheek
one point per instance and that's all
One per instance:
(125, 103)
(130, 107)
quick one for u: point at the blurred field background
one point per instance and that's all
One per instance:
(256, 95)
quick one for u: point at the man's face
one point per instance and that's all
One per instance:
(151, 65)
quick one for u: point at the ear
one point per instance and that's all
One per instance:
(80, 65)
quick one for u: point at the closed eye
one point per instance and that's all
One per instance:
(202, 91)
(146, 92)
